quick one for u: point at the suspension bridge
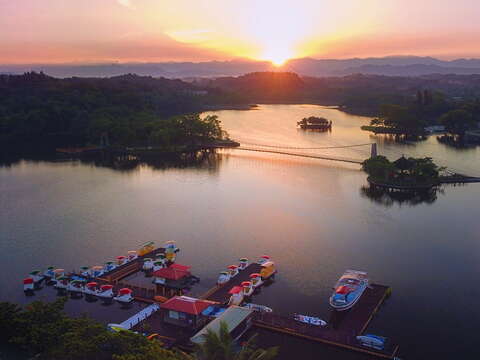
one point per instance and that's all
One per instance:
(302, 151)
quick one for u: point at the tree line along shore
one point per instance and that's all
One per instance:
(145, 111)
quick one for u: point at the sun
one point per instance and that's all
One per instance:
(277, 56)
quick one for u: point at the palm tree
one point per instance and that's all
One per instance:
(221, 346)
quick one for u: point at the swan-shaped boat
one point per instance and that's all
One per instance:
(91, 288)
(248, 288)
(223, 278)
(236, 296)
(49, 273)
(61, 283)
(28, 285)
(37, 277)
(106, 293)
(348, 289)
(109, 266)
(256, 279)
(233, 270)
(243, 263)
(75, 286)
(263, 259)
(124, 296)
(132, 255)
(147, 264)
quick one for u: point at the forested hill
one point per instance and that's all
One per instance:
(136, 109)
(36, 107)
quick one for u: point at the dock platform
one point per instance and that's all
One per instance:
(219, 293)
(129, 268)
(343, 327)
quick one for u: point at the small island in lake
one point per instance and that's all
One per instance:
(404, 174)
(315, 123)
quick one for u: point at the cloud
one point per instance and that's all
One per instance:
(126, 3)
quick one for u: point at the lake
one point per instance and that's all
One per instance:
(313, 217)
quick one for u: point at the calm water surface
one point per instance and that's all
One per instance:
(310, 215)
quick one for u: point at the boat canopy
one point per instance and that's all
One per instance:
(106, 287)
(254, 275)
(97, 267)
(232, 267)
(28, 281)
(268, 264)
(58, 271)
(232, 317)
(121, 257)
(92, 284)
(34, 272)
(246, 283)
(125, 291)
(235, 290)
(343, 289)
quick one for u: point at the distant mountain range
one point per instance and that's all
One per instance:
(389, 66)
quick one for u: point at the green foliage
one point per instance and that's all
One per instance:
(398, 118)
(132, 110)
(221, 346)
(458, 121)
(378, 167)
(419, 170)
(43, 329)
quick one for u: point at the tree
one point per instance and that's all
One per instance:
(221, 346)
(378, 167)
(457, 121)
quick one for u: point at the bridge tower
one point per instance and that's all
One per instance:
(373, 151)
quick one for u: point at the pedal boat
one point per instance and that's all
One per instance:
(61, 283)
(49, 274)
(348, 289)
(91, 288)
(248, 288)
(243, 263)
(124, 296)
(75, 286)
(106, 293)
(28, 285)
(223, 278)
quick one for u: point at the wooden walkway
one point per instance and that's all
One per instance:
(129, 268)
(219, 293)
(343, 327)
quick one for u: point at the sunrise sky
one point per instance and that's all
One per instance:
(56, 31)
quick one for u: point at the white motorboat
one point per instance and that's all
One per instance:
(348, 289)
(373, 341)
(310, 320)
(257, 307)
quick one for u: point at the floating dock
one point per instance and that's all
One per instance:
(343, 328)
(129, 268)
(219, 293)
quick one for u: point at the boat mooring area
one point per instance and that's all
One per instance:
(152, 277)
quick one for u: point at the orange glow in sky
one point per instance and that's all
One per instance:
(275, 30)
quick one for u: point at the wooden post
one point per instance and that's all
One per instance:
(373, 151)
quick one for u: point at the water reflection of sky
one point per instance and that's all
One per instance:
(309, 215)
